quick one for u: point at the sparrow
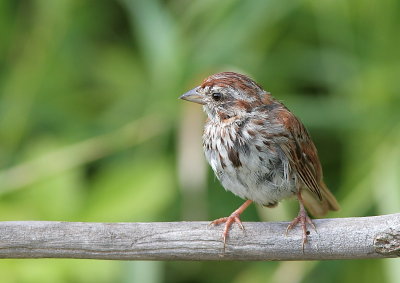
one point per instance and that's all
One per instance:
(259, 150)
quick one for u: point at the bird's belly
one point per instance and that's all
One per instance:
(246, 186)
(261, 177)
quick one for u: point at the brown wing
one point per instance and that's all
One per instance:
(303, 158)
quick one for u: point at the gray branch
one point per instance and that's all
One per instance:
(343, 238)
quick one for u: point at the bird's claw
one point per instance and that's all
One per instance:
(233, 218)
(303, 219)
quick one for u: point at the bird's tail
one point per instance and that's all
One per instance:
(318, 207)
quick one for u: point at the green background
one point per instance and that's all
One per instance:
(91, 128)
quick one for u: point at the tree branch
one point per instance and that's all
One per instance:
(343, 238)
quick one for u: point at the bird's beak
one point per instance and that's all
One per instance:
(193, 96)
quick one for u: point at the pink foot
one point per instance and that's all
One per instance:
(303, 219)
(233, 218)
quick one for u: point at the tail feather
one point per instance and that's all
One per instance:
(318, 207)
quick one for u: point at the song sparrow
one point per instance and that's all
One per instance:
(259, 150)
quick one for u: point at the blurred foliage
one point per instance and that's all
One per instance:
(89, 117)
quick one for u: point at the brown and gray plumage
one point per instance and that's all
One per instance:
(258, 149)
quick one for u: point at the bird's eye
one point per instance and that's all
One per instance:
(216, 96)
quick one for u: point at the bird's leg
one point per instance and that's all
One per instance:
(303, 219)
(234, 217)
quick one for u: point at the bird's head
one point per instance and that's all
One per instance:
(226, 95)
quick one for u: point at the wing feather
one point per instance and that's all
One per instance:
(301, 152)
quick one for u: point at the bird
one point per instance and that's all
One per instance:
(259, 150)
